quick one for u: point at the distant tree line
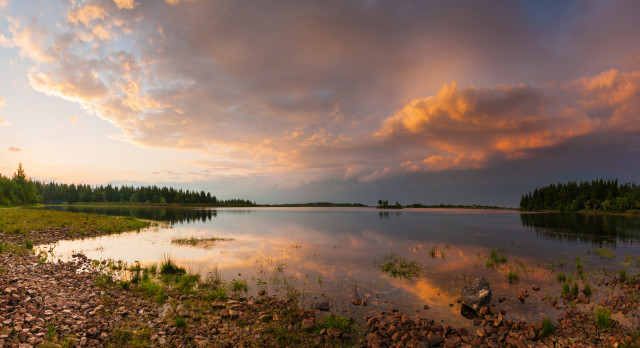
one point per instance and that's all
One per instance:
(22, 190)
(596, 195)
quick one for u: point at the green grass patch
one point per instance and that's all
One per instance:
(561, 277)
(219, 294)
(153, 290)
(19, 221)
(341, 322)
(513, 276)
(169, 267)
(138, 338)
(565, 289)
(398, 266)
(587, 289)
(622, 275)
(603, 317)
(495, 259)
(238, 286)
(180, 322)
(104, 280)
(547, 327)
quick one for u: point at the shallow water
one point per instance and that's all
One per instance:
(334, 253)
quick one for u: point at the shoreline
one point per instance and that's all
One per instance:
(54, 303)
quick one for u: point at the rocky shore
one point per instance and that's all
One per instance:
(67, 304)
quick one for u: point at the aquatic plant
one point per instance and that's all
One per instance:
(495, 260)
(565, 289)
(587, 289)
(603, 317)
(605, 253)
(398, 266)
(199, 242)
(547, 327)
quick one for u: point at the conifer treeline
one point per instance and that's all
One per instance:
(21, 190)
(597, 195)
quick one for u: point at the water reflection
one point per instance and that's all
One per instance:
(335, 253)
(598, 230)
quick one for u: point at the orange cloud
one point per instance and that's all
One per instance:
(15, 149)
(468, 128)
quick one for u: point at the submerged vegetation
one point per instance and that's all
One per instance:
(398, 266)
(200, 242)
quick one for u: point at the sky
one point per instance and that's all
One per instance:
(301, 101)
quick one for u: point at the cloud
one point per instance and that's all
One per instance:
(73, 119)
(347, 90)
(126, 4)
(14, 149)
(4, 3)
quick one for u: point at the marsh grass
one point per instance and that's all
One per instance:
(587, 289)
(561, 277)
(513, 276)
(603, 317)
(565, 289)
(169, 267)
(398, 266)
(199, 242)
(495, 259)
(605, 253)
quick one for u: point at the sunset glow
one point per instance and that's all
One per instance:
(419, 101)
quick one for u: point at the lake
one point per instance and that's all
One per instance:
(334, 254)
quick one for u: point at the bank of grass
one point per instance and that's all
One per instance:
(20, 221)
(398, 266)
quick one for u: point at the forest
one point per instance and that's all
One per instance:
(596, 195)
(20, 189)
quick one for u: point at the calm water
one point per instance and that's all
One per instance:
(334, 253)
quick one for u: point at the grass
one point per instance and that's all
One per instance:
(561, 277)
(169, 267)
(587, 289)
(495, 260)
(565, 289)
(398, 266)
(138, 338)
(603, 318)
(340, 322)
(199, 242)
(239, 285)
(513, 276)
(219, 294)
(22, 221)
(605, 253)
(180, 322)
(575, 290)
(547, 327)
(622, 276)
(153, 290)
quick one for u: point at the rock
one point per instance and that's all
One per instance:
(372, 321)
(308, 324)
(476, 294)
(357, 301)
(323, 306)
(333, 332)
(521, 297)
(535, 288)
